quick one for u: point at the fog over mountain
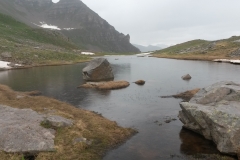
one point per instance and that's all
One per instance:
(147, 48)
(74, 19)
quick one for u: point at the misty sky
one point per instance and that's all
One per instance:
(170, 21)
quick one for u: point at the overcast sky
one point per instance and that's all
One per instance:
(170, 21)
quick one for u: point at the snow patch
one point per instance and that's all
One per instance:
(4, 65)
(235, 61)
(87, 53)
(221, 60)
(55, 1)
(143, 54)
(69, 28)
(44, 25)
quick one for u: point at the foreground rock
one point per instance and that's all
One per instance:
(186, 77)
(106, 85)
(214, 112)
(21, 130)
(98, 70)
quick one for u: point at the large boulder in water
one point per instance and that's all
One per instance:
(214, 112)
(98, 69)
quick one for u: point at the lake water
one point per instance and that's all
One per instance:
(139, 107)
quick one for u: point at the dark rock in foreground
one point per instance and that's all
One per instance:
(21, 130)
(98, 70)
(214, 112)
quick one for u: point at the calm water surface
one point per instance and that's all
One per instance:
(139, 107)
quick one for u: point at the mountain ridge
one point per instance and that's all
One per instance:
(203, 50)
(74, 19)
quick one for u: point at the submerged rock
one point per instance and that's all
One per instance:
(98, 69)
(21, 130)
(186, 77)
(214, 112)
(140, 82)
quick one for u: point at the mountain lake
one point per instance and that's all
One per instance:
(139, 107)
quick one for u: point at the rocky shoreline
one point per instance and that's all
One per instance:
(68, 132)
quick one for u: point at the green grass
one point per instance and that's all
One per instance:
(15, 31)
(32, 46)
(184, 45)
(201, 50)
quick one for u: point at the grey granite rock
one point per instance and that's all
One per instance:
(214, 112)
(20, 130)
(98, 69)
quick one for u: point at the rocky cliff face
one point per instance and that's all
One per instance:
(73, 18)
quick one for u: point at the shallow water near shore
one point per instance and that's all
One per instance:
(139, 107)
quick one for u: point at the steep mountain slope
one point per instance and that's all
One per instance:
(22, 44)
(74, 19)
(203, 50)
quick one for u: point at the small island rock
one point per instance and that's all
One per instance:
(186, 77)
(140, 82)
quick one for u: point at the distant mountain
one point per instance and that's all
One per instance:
(147, 48)
(162, 45)
(74, 19)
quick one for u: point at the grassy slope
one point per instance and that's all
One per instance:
(35, 46)
(104, 134)
(201, 50)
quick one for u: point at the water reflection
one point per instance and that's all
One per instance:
(135, 106)
(193, 143)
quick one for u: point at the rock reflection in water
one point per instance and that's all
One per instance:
(193, 143)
